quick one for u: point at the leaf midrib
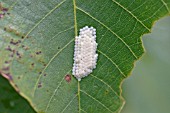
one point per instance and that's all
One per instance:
(76, 33)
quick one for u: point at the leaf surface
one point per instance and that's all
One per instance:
(37, 43)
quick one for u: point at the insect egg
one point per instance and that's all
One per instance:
(85, 56)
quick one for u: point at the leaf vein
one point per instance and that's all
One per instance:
(165, 4)
(60, 33)
(153, 14)
(34, 28)
(112, 62)
(83, 111)
(57, 6)
(96, 100)
(109, 30)
(105, 84)
(54, 93)
(131, 14)
(69, 103)
(35, 87)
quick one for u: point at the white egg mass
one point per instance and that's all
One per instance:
(85, 56)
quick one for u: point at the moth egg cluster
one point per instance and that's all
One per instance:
(85, 56)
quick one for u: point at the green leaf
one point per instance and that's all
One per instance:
(10, 100)
(36, 50)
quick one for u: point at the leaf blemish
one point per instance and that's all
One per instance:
(5, 69)
(25, 47)
(68, 78)
(6, 62)
(39, 85)
(31, 55)
(4, 10)
(1, 16)
(4, 28)
(45, 74)
(15, 42)
(19, 77)
(38, 52)
(32, 64)
(11, 55)
(106, 92)
(9, 48)
(14, 31)
(18, 54)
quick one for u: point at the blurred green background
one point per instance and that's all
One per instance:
(11, 101)
(147, 90)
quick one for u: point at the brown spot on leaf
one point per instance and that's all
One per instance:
(26, 48)
(13, 51)
(19, 77)
(106, 92)
(11, 55)
(68, 78)
(9, 48)
(15, 42)
(38, 52)
(5, 69)
(32, 64)
(23, 46)
(4, 28)
(28, 37)
(14, 31)
(6, 62)
(19, 41)
(39, 85)
(18, 54)
(45, 74)
(17, 33)
(31, 55)
(5, 9)
(1, 16)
